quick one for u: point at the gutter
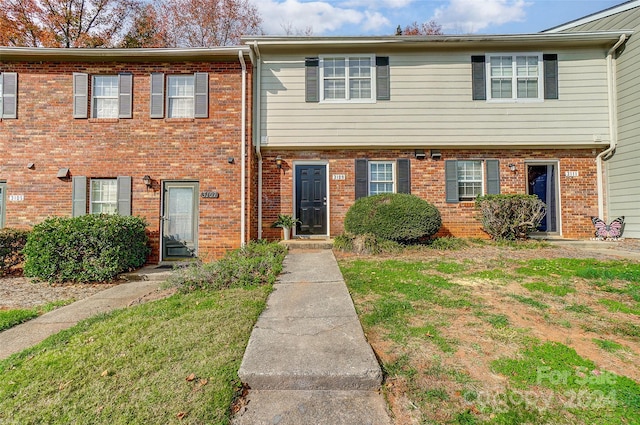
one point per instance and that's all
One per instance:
(257, 130)
(243, 161)
(612, 92)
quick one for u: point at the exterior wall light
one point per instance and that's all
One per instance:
(147, 180)
(512, 167)
(279, 162)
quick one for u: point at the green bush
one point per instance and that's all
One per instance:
(257, 263)
(12, 242)
(510, 217)
(89, 248)
(398, 217)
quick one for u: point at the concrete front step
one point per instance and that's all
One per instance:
(308, 243)
(313, 408)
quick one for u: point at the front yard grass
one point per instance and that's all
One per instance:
(172, 361)
(13, 317)
(477, 340)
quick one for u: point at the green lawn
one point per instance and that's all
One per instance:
(11, 318)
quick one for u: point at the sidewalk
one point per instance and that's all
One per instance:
(30, 333)
(307, 361)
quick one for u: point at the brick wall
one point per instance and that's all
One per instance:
(47, 135)
(578, 195)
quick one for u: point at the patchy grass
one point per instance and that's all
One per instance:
(459, 345)
(11, 318)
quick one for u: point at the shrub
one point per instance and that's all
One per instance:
(12, 242)
(397, 217)
(448, 243)
(89, 248)
(510, 217)
(257, 263)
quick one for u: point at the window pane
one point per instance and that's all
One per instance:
(334, 89)
(104, 196)
(359, 67)
(501, 88)
(360, 89)
(1, 97)
(528, 88)
(105, 96)
(527, 66)
(334, 67)
(469, 179)
(501, 66)
(105, 85)
(181, 96)
(380, 177)
(181, 85)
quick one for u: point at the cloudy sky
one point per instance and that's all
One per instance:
(381, 17)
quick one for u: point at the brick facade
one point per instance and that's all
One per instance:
(577, 194)
(46, 135)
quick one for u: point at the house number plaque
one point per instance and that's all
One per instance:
(209, 194)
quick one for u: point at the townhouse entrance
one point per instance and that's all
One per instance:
(179, 219)
(542, 180)
(311, 199)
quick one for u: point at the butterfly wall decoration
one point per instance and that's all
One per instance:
(612, 230)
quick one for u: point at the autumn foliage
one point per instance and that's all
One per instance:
(425, 28)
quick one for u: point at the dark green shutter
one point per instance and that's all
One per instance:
(125, 95)
(201, 85)
(550, 76)
(362, 178)
(79, 196)
(493, 176)
(312, 79)
(9, 94)
(80, 95)
(404, 175)
(451, 181)
(124, 195)
(156, 109)
(383, 81)
(478, 79)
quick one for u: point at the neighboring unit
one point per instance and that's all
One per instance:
(157, 133)
(622, 160)
(446, 118)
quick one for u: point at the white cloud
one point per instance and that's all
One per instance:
(469, 16)
(378, 4)
(279, 16)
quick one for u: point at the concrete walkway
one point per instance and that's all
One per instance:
(307, 361)
(30, 333)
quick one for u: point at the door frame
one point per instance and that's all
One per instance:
(196, 202)
(295, 201)
(3, 203)
(556, 163)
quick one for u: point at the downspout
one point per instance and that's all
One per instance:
(243, 154)
(258, 130)
(612, 92)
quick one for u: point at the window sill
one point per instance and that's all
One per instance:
(179, 119)
(104, 120)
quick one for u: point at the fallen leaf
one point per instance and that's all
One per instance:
(181, 415)
(191, 377)
(105, 373)
(203, 382)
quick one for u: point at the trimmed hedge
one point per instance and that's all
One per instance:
(510, 217)
(396, 217)
(89, 248)
(12, 242)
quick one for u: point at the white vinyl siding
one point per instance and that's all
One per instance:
(381, 177)
(180, 96)
(105, 96)
(469, 180)
(432, 101)
(104, 196)
(514, 77)
(349, 78)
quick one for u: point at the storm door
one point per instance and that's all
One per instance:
(311, 199)
(543, 181)
(179, 220)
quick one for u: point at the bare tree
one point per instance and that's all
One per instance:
(425, 28)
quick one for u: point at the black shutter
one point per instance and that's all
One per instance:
(312, 79)
(451, 181)
(383, 83)
(79, 196)
(550, 76)
(493, 176)
(478, 79)
(404, 175)
(362, 178)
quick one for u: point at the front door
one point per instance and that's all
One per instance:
(179, 220)
(311, 199)
(542, 181)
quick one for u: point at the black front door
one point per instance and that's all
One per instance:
(311, 199)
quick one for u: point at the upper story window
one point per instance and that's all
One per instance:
(105, 96)
(381, 177)
(8, 95)
(347, 78)
(187, 95)
(104, 196)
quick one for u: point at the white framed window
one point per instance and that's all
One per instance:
(1, 96)
(347, 78)
(105, 96)
(180, 96)
(103, 196)
(514, 77)
(381, 177)
(470, 180)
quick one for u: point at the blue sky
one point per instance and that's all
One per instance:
(381, 17)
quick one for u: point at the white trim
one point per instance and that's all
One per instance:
(94, 98)
(393, 175)
(324, 162)
(594, 17)
(168, 96)
(91, 200)
(514, 78)
(558, 193)
(483, 189)
(346, 58)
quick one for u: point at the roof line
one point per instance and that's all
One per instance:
(623, 7)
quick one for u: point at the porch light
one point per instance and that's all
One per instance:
(279, 162)
(147, 180)
(63, 173)
(419, 153)
(512, 167)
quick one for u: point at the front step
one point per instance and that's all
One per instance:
(308, 243)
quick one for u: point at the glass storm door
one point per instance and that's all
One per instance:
(311, 199)
(180, 220)
(542, 180)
